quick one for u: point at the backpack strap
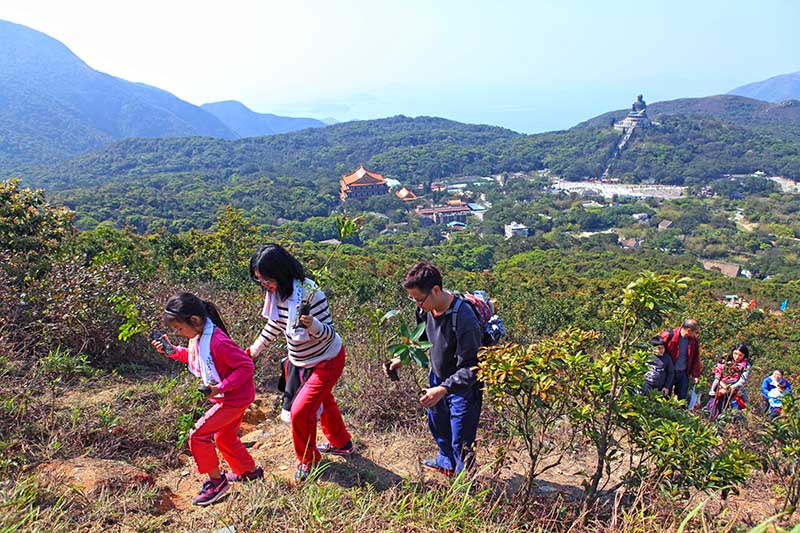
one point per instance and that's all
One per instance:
(454, 319)
(420, 315)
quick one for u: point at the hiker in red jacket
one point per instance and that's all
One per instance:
(684, 348)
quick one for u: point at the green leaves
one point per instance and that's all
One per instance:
(650, 298)
(133, 324)
(410, 345)
(346, 227)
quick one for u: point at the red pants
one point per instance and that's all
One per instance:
(318, 390)
(221, 424)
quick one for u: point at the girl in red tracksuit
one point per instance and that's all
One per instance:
(296, 309)
(227, 371)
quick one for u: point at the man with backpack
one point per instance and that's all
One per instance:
(682, 345)
(454, 397)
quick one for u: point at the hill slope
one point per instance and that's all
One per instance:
(53, 105)
(735, 109)
(775, 89)
(247, 123)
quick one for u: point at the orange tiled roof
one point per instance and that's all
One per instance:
(406, 195)
(363, 176)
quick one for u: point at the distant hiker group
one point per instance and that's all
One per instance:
(675, 363)
(298, 311)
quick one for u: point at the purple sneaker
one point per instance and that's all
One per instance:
(211, 491)
(328, 448)
(253, 475)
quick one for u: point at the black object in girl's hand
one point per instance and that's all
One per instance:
(392, 373)
(205, 391)
(156, 335)
(305, 309)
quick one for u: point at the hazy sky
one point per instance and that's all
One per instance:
(527, 65)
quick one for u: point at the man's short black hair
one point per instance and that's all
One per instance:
(691, 324)
(423, 276)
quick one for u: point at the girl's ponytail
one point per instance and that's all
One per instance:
(213, 314)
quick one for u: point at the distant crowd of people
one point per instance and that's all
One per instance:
(675, 364)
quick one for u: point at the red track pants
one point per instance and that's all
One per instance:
(220, 424)
(318, 390)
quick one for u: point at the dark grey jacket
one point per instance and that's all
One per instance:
(454, 353)
(660, 372)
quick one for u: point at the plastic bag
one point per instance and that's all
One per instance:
(694, 399)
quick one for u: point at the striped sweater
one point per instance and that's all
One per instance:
(323, 342)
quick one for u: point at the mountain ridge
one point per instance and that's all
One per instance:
(248, 123)
(54, 106)
(774, 89)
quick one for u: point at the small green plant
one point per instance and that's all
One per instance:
(345, 228)
(377, 334)
(679, 451)
(185, 425)
(410, 345)
(60, 366)
(133, 324)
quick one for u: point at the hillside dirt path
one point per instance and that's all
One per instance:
(386, 459)
(382, 459)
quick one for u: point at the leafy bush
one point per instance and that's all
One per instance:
(530, 387)
(784, 436)
(679, 451)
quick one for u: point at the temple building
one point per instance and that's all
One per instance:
(362, 184)
(444, 214)
(406, 195)
(637, 117)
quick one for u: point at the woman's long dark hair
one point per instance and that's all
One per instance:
(745, 351)
(184, 305)
(274, 262)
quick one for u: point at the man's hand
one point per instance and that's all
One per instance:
(696, 381)
(394, 364)
(214, 390)
(665, 390)
(431, 397)
(307, 320)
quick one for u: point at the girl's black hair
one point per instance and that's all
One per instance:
(273, 261)
(744, 349)
(184, 305)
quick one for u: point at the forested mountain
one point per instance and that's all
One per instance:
(414, 149)
(729, 108)
(775, 89)
(183, 182)
(53, 105)
(247, 123)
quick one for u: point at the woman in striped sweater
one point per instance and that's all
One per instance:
(295, 308)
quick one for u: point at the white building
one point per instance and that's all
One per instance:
(516, 229)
